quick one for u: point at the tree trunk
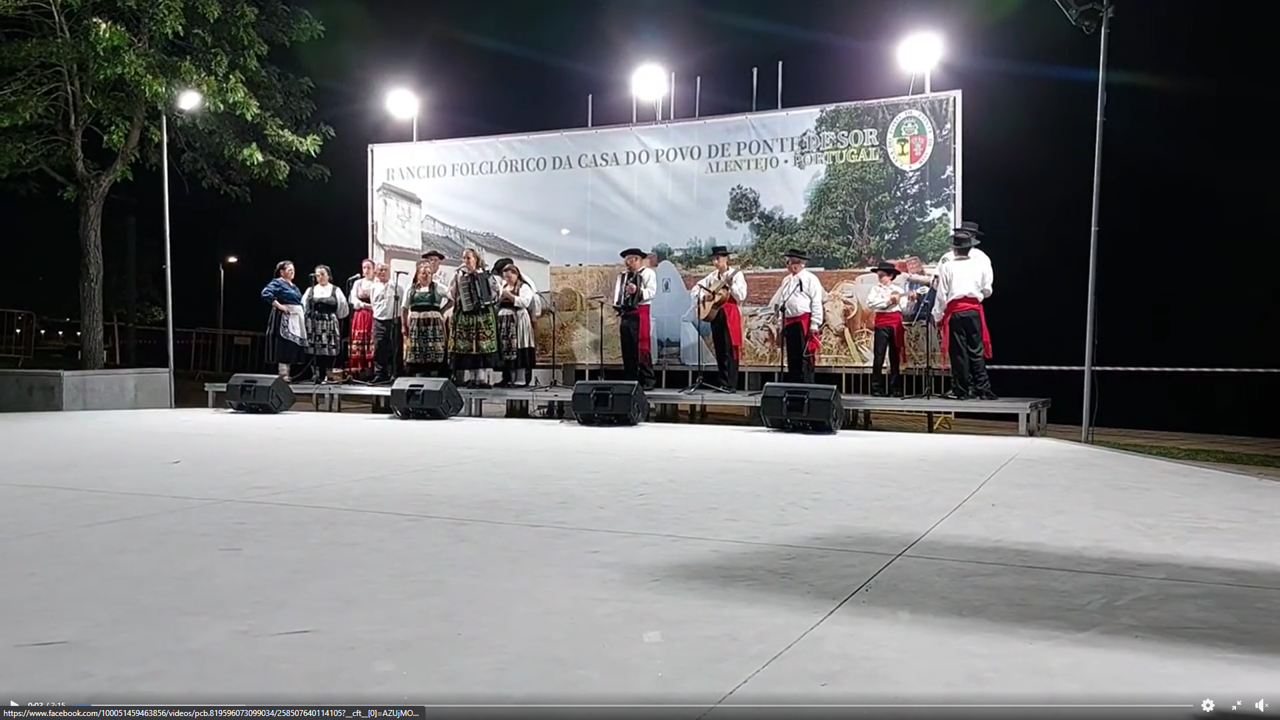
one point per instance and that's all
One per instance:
(93, 347)
(131, 291)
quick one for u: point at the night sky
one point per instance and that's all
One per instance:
(1029, 83)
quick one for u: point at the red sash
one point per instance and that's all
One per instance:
(958, 305)
(645, 351)
(894, 320)
(812, 341)
(733, 320)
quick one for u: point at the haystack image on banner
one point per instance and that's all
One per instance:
(850, 185)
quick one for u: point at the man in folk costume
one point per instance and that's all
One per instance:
(888, 301)
(964, 282)
(726, 323)
(634, 324)
(799, 302)
(384, 299)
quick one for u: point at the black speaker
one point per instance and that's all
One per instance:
(425, 398)
(796, 406)
(605, 402)
(259, 394)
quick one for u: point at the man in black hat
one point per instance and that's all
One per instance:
(964, 280)
(640, 285)
(726, 322)
(799, 302)
(889, 301)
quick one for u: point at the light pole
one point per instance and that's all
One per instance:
(222, 286)
(918, 54)
(649, 85)
(404, 105)
(1088, 18)
(187, 101)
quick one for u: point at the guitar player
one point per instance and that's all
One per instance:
(717, 297)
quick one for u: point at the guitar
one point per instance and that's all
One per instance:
(715, 295)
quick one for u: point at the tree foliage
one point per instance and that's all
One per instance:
(84, 83)
(858, 212)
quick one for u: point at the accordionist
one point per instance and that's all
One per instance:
(635, 291)
(473, 337)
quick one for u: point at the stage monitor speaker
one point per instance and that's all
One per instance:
(425, 398)
(606, 402)
(797, 406)
(259, 394)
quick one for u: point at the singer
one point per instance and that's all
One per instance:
(964, 281)
(360, 354)
(799, 302)
(323, 305)
(384, 300)
(287, 327)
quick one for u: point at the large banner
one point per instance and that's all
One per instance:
(849, 184)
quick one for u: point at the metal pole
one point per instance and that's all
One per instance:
(168, 254)
(634, 109)
(222, 285)
(671, 102)
(928, 81)
(589, 109)
(1085, 420)
(755, 86)
(697, 97)
(657, 110)
(415, 127)
(779, 84)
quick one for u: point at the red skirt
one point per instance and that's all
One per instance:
(361, 357)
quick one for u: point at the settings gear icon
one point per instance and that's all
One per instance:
(1207, 706)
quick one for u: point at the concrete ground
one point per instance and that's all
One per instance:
(201, 555)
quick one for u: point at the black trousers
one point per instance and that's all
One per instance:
(722, 344)
(966, 354)
(385, 333)
(885, 343)
(799, 364)
(635, 364)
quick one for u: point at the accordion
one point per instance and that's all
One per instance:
(624, 301)
(475, 291)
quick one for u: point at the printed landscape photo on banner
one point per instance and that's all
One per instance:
(850, 185)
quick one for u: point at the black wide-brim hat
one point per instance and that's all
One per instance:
(886, 267)
(719, 251)
(795, 253)
(633, 251)
(966, 236)
(501, 264)
(433, 254)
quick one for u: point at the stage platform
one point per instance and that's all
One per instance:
(1032, 413)
(209, 556)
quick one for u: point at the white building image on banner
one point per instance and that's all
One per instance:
(402, 232)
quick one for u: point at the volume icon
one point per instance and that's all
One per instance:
(1260, 705)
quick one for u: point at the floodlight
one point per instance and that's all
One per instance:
(402, 104)
(189, 100)
(649, 83)
(919, 53)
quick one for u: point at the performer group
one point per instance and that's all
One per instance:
(479, 321)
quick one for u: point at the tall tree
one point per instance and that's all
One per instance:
(83, 84)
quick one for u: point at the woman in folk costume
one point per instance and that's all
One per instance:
(515, 327)
(360, 355)
(287, 326)
(473, 338)
(425, 333)
(324, 305)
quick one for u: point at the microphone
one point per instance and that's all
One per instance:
(355, 277)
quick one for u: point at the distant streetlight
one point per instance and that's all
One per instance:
(648, 85)
(919, 54)
(404, 105)
(186, 101)
(222, 284)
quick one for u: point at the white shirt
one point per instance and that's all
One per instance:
(878, 298)
(524, 295)
(963, 277)
(648, 285)
(974, 254)
(383, 298)
(324, 292)
(799, 294)
(361, 287)
(737, 286)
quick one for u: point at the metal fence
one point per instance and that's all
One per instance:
(17, 336)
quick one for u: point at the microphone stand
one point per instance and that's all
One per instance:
(549, 307)
(782, 331)
(397, 341)
(925, 309)
(699, 380)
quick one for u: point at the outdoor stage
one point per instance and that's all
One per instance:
(198, 555)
